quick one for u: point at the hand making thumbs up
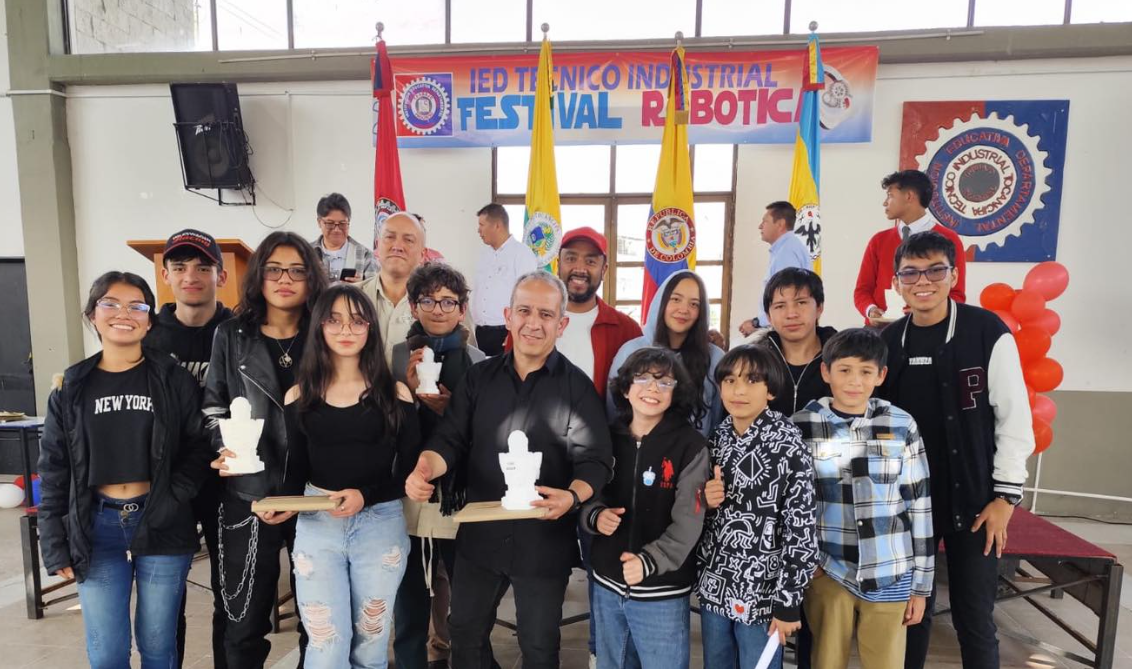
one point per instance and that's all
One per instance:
(714, 490)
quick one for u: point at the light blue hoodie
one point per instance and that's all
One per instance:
(711, 391)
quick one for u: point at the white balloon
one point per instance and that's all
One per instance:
(11, 496)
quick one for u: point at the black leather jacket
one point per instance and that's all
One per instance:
(178, 463)
(241, 367)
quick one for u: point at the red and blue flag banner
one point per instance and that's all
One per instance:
(388, 195)
(805, 181)
(670, 236)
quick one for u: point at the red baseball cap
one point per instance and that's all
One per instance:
(590, 235)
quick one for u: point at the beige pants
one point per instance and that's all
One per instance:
(832, 611)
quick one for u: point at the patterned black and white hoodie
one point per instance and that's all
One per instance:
(759, 548)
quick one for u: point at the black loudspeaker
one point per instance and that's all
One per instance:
(210, 133)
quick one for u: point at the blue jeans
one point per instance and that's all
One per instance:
(347, 571)
(105, 593)
(634, 634)
(729, 644)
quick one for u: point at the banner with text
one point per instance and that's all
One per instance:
(737, 97)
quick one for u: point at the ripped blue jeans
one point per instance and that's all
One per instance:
(347, 571)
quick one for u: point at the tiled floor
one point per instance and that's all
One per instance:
(56, 642)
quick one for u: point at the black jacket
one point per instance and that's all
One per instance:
(242, 367)
(809, 386)
(178, 461)
(560, 412)
(660, 485)
(191, 346)
(987, 412)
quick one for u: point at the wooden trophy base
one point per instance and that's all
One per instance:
(482, 512)
(295, 503)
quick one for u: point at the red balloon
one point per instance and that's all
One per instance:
(1031, 395)
(1043, 375)
(1027, 305)
(1044, 408)
(1043, 435)
(1010, 321)
(1049, 279)
(1048, 320)
(1033, 342)
(996, 297)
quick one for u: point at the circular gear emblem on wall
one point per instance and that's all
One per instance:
(670, 235)
(989, 175)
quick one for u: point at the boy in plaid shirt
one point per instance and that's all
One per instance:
(874, 511)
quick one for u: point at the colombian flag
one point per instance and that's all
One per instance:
(670, 237)
(388, 196)
(806, 179)
(542, 226)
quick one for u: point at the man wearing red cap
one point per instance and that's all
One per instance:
(596, 330)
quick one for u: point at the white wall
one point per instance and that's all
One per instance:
(1096, 310)
(309, 139)
(127, 186)
(11, 230)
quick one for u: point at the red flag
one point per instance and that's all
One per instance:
(388, 195)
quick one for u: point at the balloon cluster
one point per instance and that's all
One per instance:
(1034, 324)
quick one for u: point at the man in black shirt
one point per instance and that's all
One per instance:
(193, 268)
(535, 389)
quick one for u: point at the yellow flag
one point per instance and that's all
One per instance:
(542, 219)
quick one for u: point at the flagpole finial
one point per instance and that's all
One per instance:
(813, 26)
(380, 27)
(679, 38)
(545, 28)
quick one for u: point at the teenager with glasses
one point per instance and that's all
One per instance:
(678, 320)
(907, 196)
(123, 453)
(648, 519)
(438, 295)
(255, 355)
(353, 436)
(955, 369)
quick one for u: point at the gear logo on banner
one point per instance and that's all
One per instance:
(424, 105)
(670, 236)
(996, 168)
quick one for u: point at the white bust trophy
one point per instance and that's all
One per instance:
(896, 304)
(520, 470)
(428, 372)
(240, 434)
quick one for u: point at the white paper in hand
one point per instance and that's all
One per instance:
(768, 651)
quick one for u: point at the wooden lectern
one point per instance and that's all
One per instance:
(234, 251)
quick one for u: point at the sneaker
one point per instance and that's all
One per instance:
(593, 661)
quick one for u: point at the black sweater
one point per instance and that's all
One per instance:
(336, 448)
(190, 346)
(808, 386)
(659, 481)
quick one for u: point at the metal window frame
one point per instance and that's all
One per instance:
(610, 199)
(786, 12)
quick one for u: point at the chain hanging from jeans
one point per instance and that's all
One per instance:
(248, 577)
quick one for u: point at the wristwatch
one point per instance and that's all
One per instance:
(577, 501)
(1012, 500)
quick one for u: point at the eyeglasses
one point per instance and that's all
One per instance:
(275, 272)
(136, 310)
(665, 384)
(334, 326)
(447, 305)
(335, 225)
(936, 273)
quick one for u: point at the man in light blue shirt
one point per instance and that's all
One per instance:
(786, 250)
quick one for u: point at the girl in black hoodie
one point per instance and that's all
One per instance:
(649, 517)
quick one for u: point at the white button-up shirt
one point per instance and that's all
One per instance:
(496, 273)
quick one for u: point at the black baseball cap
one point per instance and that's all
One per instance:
(200, 241)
